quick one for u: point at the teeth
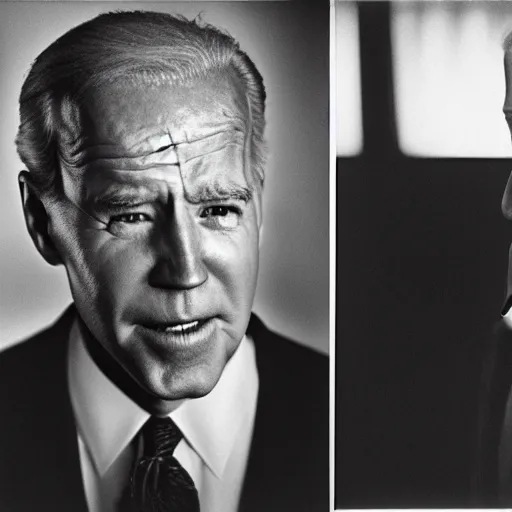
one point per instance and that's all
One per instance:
(182, 327)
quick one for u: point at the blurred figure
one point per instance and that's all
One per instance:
(493, 462)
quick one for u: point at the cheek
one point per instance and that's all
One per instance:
(232, 260)
(121, 268)
(68, 238)
(107, 273)
(102, 271)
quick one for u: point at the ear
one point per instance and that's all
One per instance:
(506, 202)
(37, 219)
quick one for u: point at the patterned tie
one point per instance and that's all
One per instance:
(158, 482)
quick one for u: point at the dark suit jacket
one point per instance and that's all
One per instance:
(288, 465)
(495, 388)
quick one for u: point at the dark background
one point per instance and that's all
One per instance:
(422, 253)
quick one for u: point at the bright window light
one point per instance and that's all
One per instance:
(449, 78)
(349, 126)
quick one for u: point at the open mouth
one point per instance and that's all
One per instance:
(183, 328)
(180, 328)
(180, 335)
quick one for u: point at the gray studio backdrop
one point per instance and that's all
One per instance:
(289, 45)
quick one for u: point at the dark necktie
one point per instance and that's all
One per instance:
(158, 482)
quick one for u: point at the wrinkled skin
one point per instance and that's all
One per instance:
(159, 226)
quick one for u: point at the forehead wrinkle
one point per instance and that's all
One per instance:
(160, 142)
(109, 155)
(226, 163)
(176, 156)
(184, 159)
(234, 119)
(206, 147)
(215, 186)
(191, 136)
(186, 124)
(125, 104)
(150, 145)
(166, 157)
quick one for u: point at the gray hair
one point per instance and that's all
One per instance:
(130, 45)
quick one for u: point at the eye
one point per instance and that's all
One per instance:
(223, 217)
(129, 225)
(130, 218)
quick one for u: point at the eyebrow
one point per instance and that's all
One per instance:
(219, 192)
(122, 198)
(117, 199)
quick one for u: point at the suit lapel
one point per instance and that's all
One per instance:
(38, 435)
(272, 468)
(55, 472)
(259, 473)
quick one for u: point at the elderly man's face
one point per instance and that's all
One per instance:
(160, 229)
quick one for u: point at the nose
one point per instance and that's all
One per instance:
(180, 262)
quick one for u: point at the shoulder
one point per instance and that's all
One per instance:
(33, 358)
(36, 417)
(292, 376)
(273, 349)
(293, 407)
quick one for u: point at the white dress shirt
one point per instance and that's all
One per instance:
(508, 318)
(217, 430)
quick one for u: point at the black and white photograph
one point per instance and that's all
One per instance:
(313, 312)
(164, 309)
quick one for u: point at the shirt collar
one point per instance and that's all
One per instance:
(107, 419)
(507, 317)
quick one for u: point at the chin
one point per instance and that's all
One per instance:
(166, 371)
(185, 383)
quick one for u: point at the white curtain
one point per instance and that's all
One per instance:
(347, 98)
(449, 79)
